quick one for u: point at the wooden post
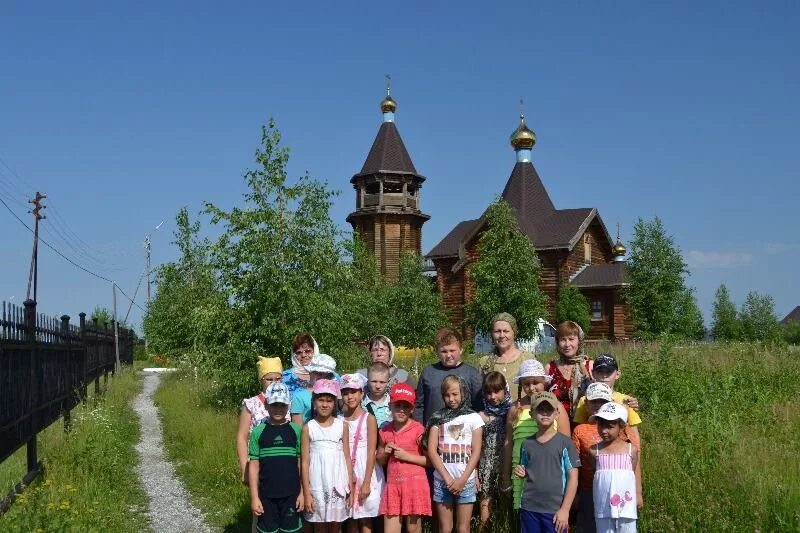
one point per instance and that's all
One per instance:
(33, 385)
(85, 354)
(97, 350)
(66, 407)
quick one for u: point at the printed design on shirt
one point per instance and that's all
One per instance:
(455, 453)
(618, 500)
(277, 440)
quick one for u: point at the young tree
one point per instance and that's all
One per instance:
(688, 322)
(415, 308)
(725, 325)
(506, 274)
(572, 305)
(187, 313)
(655, 271)
(279, 263)
(759, 321)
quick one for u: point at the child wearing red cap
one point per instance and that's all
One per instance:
(406, 494)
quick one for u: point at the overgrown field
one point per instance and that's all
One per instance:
(721, 429)
(89, 483)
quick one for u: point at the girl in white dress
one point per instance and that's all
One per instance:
(326, 470)
(615, 487)
(368, 480)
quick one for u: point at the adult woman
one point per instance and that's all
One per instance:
(304, 348)
(571, 373)
(254, 410)
(381, 350)
(507, 356)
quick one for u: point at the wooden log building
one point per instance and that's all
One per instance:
(573, 245)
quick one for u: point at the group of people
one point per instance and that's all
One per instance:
(375, 450)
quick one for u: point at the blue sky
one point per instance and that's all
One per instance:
(122, 114)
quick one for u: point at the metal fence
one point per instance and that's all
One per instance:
(46, 367)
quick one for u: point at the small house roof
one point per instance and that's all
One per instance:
(448, 246)
(793, 315)
(601, 275)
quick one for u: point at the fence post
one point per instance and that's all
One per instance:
(33, 386)
(70, 401)
(96, 347)
(84, 387)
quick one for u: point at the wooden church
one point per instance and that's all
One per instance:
(573, 245)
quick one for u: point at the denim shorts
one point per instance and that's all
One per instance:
(441, 494)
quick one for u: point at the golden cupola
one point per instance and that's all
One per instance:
(619, 248)
(388, 105)
(522, 138)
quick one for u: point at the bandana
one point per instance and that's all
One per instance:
(446, 414)
(501, 409)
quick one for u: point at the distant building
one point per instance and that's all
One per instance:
(387, 217)
(793, 315)
(573, 245)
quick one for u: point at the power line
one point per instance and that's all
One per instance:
(70, 261)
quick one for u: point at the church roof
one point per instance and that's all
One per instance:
(601, 275)
(448, 247)
(794, 315)
(545, 226)
(388, 153)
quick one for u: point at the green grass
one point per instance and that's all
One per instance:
(721, 429)
(199, 438)
(89, 482)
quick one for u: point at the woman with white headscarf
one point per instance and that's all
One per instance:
(304, 348)
(381, 350)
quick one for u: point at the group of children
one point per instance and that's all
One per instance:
(360, 454)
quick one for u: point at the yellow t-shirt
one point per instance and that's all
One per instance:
(582, 413)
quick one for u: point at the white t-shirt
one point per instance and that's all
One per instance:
(455, 444)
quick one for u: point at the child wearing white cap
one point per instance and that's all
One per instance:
(616, 485)
(276, 498)
(520, 424)
(322, 366)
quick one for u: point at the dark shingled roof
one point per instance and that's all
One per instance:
(525, 192)
(388, 153)
(601, 275)
(545, 226)
(794, 315)
(448, 247)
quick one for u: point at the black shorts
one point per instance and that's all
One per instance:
(280, 515)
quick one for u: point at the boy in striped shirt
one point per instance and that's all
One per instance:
(276, 497)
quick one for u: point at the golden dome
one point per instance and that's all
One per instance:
(522, 137)
(619, 248)
(388, 105)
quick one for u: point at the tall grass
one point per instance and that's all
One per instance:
(89, 482)
(721, 430)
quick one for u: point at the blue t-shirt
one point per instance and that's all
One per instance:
(301, 404)
(381, 412)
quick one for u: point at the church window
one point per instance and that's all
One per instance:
(597, 309)
(587, 250)
(373, 188)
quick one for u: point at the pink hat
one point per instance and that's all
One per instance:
(327, 386)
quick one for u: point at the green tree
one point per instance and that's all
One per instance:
(415, 308)
(104, 316)
(759, 321)
(279, 264)
(688, 320)
(187, 315)
(572, 305)
(791, 332)
(506, 274)
(655, 271)
(725, 324)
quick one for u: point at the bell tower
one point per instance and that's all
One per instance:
(387, 216)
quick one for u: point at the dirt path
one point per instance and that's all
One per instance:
(169, 507)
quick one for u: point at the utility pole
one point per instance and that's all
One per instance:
(116, 325)
(33, 273)
(147, 248)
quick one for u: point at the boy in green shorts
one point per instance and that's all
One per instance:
(276, 497)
